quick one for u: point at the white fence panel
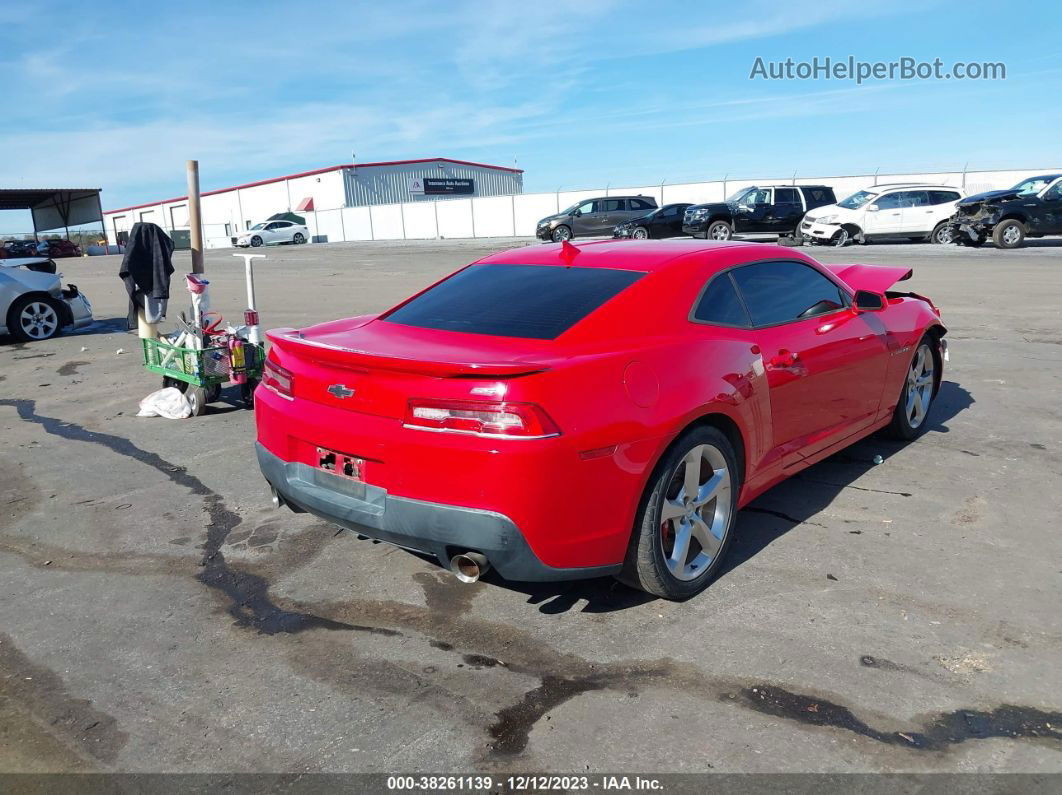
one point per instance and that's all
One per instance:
(329, 226)
(493, 216)
(455, 218)
(387, 222)
(530, 208)
(420, 221)
(695, 193)
(357, 223)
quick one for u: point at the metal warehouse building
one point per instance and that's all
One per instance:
(230, 210)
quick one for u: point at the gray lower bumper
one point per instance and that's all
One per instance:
(432, 528)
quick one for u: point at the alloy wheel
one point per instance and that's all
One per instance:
(919, 386)
(640, 234)
(38, 320)
(721, 232)
(695, 514)
(1011, 235)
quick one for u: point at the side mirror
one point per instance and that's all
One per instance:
(872, 208)
(867, 301)
(576, 213)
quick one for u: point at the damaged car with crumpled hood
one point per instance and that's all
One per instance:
(1032, 208)
(34, 304)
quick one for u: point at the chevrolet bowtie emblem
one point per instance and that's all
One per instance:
(340, 391)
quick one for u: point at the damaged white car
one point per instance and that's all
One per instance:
(34, 305)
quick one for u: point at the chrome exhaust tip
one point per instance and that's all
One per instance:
(278, 501)
(469, 566)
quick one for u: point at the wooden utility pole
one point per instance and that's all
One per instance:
(194, 219)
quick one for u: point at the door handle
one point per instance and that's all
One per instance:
(784, 358)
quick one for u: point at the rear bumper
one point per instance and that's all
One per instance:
(432, 528)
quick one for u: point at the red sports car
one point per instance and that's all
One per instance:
(564, 411)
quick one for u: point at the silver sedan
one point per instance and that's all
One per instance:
(34, 305)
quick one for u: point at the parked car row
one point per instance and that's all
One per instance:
(53, 249)
(811, 214)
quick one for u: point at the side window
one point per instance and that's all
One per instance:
(780, 292)
(640, 204)
(914, 198)
(720, 304)
(1054, 193)
(889, 201)
(815, 195)
(786, 196)
(271, 226)
(943, 196)
(612, 205)
(668, 212)
(585, 207)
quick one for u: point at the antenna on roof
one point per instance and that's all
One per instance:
(568, 253)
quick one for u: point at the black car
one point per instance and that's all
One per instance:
(766, 210)
(15, 249)
(591, 217)
(1032, 208)
(665, 221)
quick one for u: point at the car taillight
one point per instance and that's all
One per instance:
(488, 418)
(277, 378)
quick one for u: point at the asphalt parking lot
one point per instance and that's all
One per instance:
(156, 614)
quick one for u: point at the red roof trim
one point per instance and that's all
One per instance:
(319, 171)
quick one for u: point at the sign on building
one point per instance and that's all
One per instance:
(455, 187)
(416, 186)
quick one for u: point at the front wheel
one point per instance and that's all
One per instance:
(684, 526)
(719, 230)
(562, 233)
(256, 241)
(1009, 233)
(916, 398)
(32, 319)
(640, 233)
(840, 238)
(299, 238)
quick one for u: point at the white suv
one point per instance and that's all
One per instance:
(917, 212)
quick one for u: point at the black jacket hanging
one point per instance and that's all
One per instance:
(146, 267)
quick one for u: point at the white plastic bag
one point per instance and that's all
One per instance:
(168, 403)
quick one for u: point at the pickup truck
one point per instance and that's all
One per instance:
(757, 210)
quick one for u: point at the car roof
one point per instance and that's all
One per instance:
(647, 255)
(1044, 176)
(908, 185)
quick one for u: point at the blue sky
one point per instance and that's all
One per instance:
(579, 94)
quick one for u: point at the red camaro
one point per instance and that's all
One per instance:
(567, 411)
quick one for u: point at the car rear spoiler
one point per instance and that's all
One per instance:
(876, 278)
(289, 339)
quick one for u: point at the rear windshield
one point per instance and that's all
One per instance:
(533, 301)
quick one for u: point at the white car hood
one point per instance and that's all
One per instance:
(842, 213)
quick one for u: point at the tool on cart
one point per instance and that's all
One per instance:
(203, 354)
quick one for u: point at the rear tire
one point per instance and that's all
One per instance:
(299, 239)
(1009, 233)
(910, 418)
(942, 234)
(678, 543)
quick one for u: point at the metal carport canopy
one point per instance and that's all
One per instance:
(55, 208)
